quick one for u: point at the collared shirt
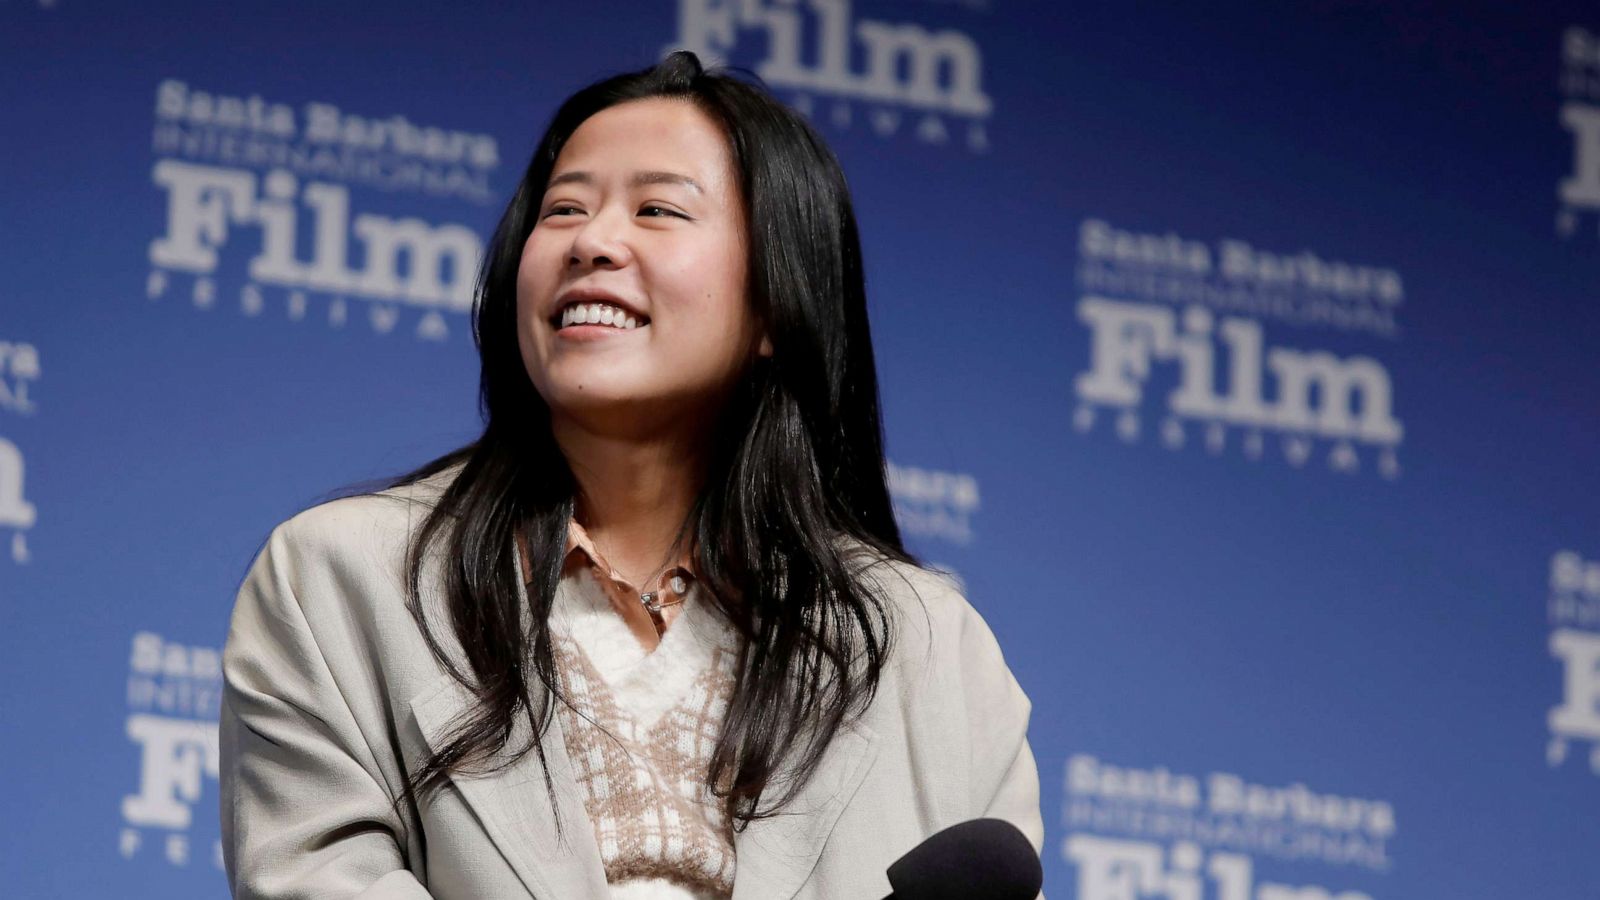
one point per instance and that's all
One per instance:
(646, 611)
(643, 715)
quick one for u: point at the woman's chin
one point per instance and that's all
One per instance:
(599, 401)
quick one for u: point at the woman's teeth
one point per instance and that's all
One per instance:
(597, 314)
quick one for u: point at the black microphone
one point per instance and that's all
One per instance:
(980, 858)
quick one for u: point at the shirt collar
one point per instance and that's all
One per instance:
(578, 539)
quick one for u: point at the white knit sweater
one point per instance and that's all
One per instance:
(642, 759)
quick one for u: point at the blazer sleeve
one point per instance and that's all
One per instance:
(306, 812)
(1004, 775)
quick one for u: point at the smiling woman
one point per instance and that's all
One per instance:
(653, 633)
(645, 193)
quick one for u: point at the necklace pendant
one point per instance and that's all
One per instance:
(649, 600)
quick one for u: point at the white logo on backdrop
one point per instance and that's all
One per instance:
(16, 513)
(1234, 276)
(1574, 612)
(931, 503)
(228, 163)
(174, 698)
(1579, 192)
(19, 371)
(1173, 296)
(323, 141)
(1114, 869)
(714, 29)
(1136, 833)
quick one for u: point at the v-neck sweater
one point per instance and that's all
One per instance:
(640, 732)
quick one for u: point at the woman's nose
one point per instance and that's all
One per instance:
(599, 242)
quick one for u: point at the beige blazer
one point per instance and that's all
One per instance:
(330, 694)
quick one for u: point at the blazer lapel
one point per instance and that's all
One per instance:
(773, 857)
(513, 804)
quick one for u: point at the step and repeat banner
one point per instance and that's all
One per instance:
(1239, 358)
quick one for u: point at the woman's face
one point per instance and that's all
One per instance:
(643, 205)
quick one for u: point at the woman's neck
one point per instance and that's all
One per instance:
(633, 494)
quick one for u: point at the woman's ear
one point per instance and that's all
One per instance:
(766, 346)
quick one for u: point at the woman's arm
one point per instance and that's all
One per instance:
(1004, 775)
(306, 811)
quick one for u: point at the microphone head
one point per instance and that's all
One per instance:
(981, 858)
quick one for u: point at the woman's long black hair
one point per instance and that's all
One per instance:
(797, 463)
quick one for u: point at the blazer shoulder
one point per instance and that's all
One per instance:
(340, 570)
(928, 606)
(345, 554)
(366, 521)
(904, 584)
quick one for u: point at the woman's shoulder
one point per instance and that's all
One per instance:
(328, 591)
(358, 521)
(368, 529)
(929, 606)
(941, 646)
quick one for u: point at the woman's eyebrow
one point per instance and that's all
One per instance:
(639, 179)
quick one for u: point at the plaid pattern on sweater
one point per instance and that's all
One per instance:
(641, 752)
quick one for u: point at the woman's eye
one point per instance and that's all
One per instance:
(557, 210)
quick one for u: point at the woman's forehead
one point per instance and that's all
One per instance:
(637, 178)
(646, 142)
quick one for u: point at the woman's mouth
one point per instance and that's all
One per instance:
(596, 317)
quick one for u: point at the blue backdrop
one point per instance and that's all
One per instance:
(1240, 359)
